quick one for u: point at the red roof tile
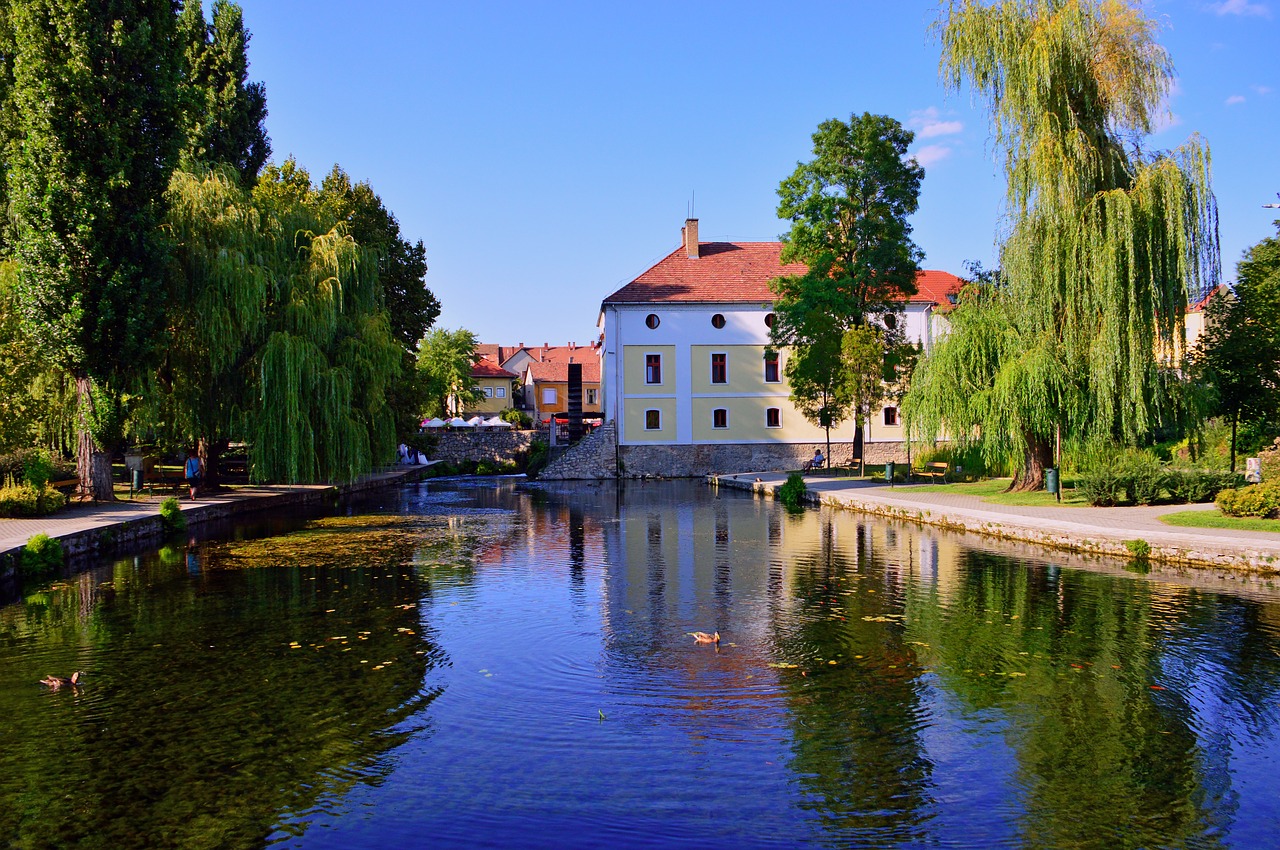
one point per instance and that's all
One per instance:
(559, 372)
(489, 369)
(736, 272)
(561, 353)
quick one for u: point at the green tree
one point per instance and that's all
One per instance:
(402, 267)
(1239, 351)
(863, 352)
(445, 359)
(96, 111)
(848, 209)
(225, 113)
(1104, 241)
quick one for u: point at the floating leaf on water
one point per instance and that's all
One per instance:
(833, 662)
(783, 665)
(878, 619)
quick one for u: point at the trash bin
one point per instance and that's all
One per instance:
(135, 480)
(1051, 480)
(889, 469)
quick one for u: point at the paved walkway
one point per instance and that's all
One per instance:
(78, 518)
(1087, 529)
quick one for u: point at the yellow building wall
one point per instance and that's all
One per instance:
(633, 369)
(635, 416)
(493, 404)
(562, 397)
(746, 417)
(745, 369)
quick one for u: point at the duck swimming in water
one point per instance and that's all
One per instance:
(703, 637)
(58, 682)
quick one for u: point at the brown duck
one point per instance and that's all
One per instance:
(58, 682)
(703, 637)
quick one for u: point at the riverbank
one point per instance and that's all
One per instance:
(1101, 531)
(103, 528)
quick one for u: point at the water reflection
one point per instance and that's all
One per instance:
(488, 663)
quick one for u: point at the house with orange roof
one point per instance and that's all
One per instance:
(692, 383)
(498, 388)
(546, 386)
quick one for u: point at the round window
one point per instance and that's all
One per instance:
(717, 321)
(768, 320)
(652, 320)
(890, 321)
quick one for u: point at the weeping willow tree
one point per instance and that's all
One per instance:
(1105, 243)
(328, 356)
(279, 336)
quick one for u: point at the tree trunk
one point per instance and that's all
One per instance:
(210, 451)
(1037, 456)
(826, 460)
(93, 465)
(1235, 420)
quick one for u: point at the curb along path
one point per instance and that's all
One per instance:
(102, 527)
(1094, 530)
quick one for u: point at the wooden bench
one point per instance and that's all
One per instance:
(933, 471)
(65, 484)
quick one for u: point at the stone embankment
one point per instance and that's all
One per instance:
(496, 445)
(594, 458)
(1101, 531)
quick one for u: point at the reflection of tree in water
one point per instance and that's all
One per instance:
(1104, 759)
(216, 705)
(856, 733)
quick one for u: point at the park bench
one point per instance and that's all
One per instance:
(933, 471)
(65, 484)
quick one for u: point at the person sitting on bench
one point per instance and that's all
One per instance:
(816, 463)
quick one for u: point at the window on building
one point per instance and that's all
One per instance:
(653, 368)
(719, 369)
(652, 420)
(717, 321)
(890, 321)
(549, 395)
(488, 392)
(773, 417)
(772, 375)
(593, 396)
(651, 321)
(891, 416)
(769, 319)
(719, 418)
(502, 392)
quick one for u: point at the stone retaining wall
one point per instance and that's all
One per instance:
(594, 458)
(496, 445)
(722, 459)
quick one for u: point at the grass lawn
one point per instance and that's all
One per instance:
(993, 490)
(1216, 519)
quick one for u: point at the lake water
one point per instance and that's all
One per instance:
(492, 664)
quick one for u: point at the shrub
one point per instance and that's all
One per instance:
(966, 465)
(792, 491)
(171, 515)
(1103, 486)
(37, 469)
(1256, 500)
(41, 555)
(1198, 485)
(1142, 475)
(25, 500)
(484, 467)
(518, 418)
(15, 464)
(1140, 549)
(1108, 478)
(538, 457)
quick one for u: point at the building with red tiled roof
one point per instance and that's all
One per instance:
(692, 383)
(546, 387)
(497, 385)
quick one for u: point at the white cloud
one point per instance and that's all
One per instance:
(928, 124)
(930, 155)
(1234, 99)
(1262, 90)
(1240, 7)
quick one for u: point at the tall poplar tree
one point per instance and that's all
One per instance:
(224, 112)
(96, 109)
(1105, 242)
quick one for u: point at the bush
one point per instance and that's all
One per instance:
(1143, 476)
(966, 465)
(1198, 485)
(1107, 478)
(1256, 500)
(538, 457)
(171, 515)
(15, 464)
(41, 555)
(792, 491)
(1140, 549)
(25, 500)
(518, 418)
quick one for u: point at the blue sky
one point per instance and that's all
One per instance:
(547, 153)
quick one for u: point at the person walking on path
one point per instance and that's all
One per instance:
(195, 472)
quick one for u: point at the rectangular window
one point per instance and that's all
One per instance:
(502, 392)
(891, 416)
(652, 420)
(719, 418)
(593, 396)
(771, 373)
(653, 368)
(488, 392)
(719, 369)
(549, 396)
(773, 417)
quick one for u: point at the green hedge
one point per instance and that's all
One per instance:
(1135, 476)
(20, 499)
(1256, 500)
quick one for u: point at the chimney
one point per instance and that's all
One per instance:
(690, 235)
(572, 346)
